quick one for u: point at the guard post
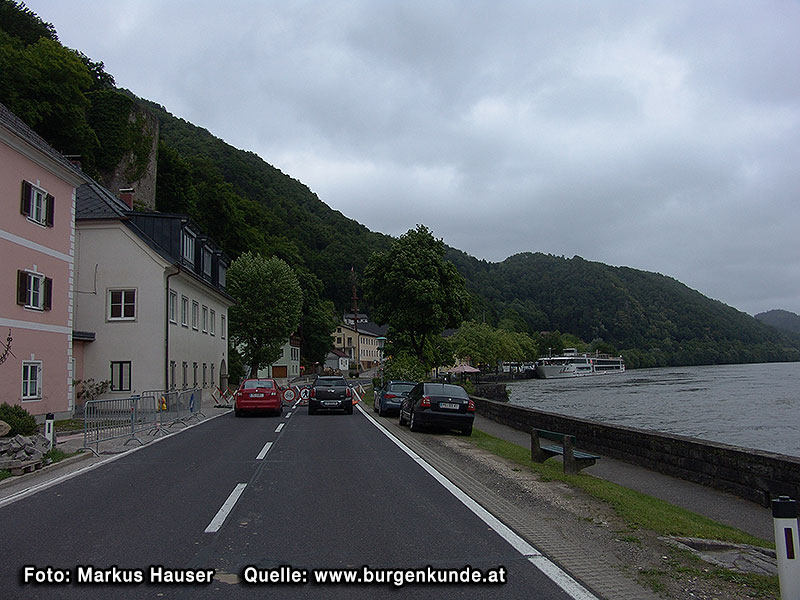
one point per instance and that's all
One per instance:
(787, 546)
(50, 429)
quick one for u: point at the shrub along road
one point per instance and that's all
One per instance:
(291, 497)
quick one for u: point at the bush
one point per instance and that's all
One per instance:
(20, 420)
(404, 367)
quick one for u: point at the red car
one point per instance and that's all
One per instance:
(258, 395)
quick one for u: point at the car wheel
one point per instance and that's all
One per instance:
(413, 425)
(312, 411)
(237, 412)
(376, 407)
(402, 419)
(349, 410)
(467, 430)
(381, 412)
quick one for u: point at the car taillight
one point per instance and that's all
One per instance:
(390, 395)
(313, 392)
(348, 393)
(471, 406)
(426, 402)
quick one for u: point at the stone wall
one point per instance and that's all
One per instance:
(751, 474)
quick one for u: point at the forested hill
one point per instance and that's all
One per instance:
(245, 203)
(652, 319)
(786, 321)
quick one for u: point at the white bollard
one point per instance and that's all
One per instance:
(787, 546)
(50, 429)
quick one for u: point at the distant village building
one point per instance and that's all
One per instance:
(37, 245)
(287, 367)
(337, 361)
(362, 343)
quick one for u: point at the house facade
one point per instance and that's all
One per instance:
(151, 307)
(362, 343)
(287, 367)
(37, 245)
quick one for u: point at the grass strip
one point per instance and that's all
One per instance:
(638, 510)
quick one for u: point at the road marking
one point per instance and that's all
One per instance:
(226, 509)
(560, 577)
(264, 451)
(289, 414)
(279, 427)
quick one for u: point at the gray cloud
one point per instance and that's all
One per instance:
(663, 136)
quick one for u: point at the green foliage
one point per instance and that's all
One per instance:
(483, 344)
(20, 420)
(404, 367)
(267, 312)
(415, 290)
(20, 22)
(318, 321)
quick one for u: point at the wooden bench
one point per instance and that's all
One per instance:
(574, 460)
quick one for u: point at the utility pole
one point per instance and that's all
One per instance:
(355, 323)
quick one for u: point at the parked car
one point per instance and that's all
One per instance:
(438, 405)
(390, 396)
(258, 395)
(330, 393)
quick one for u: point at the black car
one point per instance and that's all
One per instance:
(438, 405)
(389, 398)
(330, 393)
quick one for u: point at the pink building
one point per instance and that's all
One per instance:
(37, 264)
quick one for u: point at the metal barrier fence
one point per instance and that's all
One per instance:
(151, 413)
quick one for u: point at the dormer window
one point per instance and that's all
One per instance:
(37, 204)
(188, 247)
(207, 262)
(221, 275)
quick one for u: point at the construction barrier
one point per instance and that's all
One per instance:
(152, 413)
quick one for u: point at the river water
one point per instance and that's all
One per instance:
(753, 406)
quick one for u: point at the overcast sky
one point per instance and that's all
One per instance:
(659, 135)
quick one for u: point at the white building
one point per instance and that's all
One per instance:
(151, 309)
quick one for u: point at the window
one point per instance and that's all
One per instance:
(188, 247)
(173, 307)
(205, 374)
(207, 262)
(221, 275)
(195, 313)
(31, 380)
(34, 290)
(194, 371)
(122, 305)
(185, 374)
(205, 319)
(37, 204)
(184, 311)
(173, 368)
(222, 326)
(120, 376)
(212, 375)
(213, 324)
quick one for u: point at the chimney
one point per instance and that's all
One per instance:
(126, 195)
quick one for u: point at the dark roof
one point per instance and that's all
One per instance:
(16, 125)
(373, 329)
(93, 201)
(338, 353)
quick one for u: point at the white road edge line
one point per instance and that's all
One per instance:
(560, 577)
(264, 451)
(24, 493)
(225, 509)
(279, 427)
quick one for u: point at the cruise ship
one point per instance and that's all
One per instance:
(572, 364)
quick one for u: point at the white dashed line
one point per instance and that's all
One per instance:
(264, 451)
(279, 427)
(226, 509)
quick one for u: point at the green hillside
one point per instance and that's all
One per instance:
(246, 204)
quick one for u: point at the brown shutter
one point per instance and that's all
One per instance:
(22, 287)
(51, 206)
(25, 205)
(48, 294)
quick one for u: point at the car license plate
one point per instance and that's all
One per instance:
(449, 405)
(330, 403)
(256, 395)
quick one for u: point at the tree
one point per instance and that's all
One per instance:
(318, 321)
(267, 310)
(415, 290)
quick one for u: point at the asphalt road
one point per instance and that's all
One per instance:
(305, 494)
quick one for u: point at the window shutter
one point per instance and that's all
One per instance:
(22, 288)
(25, 205)
(48, 294)
(51, 205)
